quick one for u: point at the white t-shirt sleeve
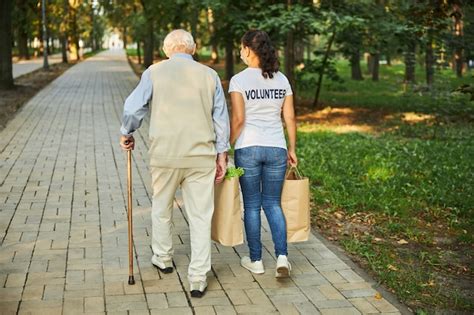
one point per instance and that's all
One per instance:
(289, 91)
(234, 86)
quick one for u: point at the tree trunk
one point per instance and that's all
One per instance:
(290, 56)
(458, 35)
(214, 53)
(64, 31)
(74, 43)
(308, 51)
(299, 52)
(356, 71)
(370, 64)
(375, 66)
(23, 30)
(194, 25)
(64, 48)
(429, 61)
(125, 37)
(229, 58)
(139, 54)
(23, 43)
(389, 59)
(211, 29)
(45, 36)
(410, 61)
(323, 67)
(149, 43)
(6, 75)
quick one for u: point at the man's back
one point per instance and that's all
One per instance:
(181, 126)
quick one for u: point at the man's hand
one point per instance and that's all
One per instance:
(221, 167)
(127, 143)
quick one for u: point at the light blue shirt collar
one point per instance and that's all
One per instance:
(181, 55)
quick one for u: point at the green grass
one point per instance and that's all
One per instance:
(390, 93)
(407, 179)
(92, 53)
(389, 173)
(415, 181)
(132, 52)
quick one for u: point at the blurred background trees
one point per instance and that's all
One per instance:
(312, 36)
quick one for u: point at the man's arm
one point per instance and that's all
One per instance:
(135, 109)
(220, 116)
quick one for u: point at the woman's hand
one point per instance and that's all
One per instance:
(292, 158)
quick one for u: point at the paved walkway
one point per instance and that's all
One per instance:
(63, 222)
(26, 66)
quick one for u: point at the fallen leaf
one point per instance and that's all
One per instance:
(378, 296)
(402, 242)
(338, 215)
(376, 239)
(392, 267)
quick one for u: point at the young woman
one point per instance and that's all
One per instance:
(259, 95)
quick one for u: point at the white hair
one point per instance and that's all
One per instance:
(178, 41)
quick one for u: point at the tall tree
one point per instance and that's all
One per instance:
(6, 75)
(22, 21)
(45, 35)
(409, 31)
(350, 39)
(74, 28)
(435, 23)
(458, 33)
(64, 30)
(290, 51)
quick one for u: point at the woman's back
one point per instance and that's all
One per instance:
(263, 98)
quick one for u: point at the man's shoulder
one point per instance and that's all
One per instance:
(158, 64)
(204, 67)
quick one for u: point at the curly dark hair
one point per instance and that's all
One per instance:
(260, 43)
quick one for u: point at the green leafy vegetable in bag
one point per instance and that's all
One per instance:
(234, 172)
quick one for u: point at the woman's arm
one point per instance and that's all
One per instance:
(238, 116)
(290, 122)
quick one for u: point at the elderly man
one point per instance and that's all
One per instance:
(189, 139)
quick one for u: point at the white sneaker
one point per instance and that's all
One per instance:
(198, 288)
(283, 267)
(165, 266)
(254, 267)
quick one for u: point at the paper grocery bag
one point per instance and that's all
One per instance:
(227, 219)
(295, 205)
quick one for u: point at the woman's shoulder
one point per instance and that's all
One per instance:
(279, 75)
(240, 74)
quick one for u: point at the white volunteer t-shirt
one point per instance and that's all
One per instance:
(263, 103)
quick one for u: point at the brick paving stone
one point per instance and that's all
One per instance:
(224, 310)
(364, 306)
(15, 280)
(63, 224)
(238, 297)
(340, 311)
(8, 307)
(157, 300)
(286, 308)
(94, 304)
(204, 310)
(176, 299)
(306, 308)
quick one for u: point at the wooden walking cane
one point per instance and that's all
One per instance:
(131, 279)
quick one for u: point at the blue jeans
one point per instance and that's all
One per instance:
(261, 185)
